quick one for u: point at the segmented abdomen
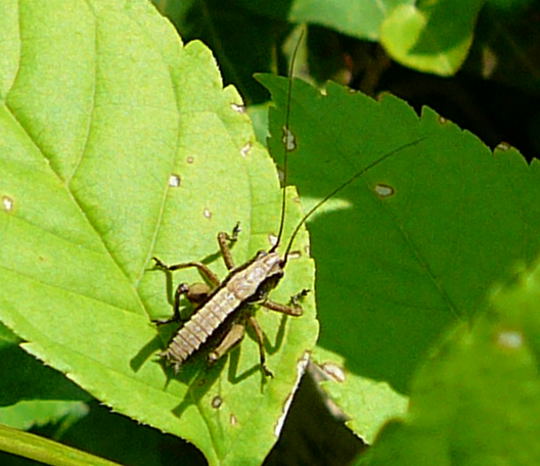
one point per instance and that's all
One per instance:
(200, 327)
(236, 290)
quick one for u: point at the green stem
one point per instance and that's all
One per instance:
(47, 451)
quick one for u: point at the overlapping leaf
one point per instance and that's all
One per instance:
(416, 244)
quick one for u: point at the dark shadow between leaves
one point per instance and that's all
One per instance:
(26, 378)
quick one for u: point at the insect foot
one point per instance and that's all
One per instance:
(158, 264)
(295, 299)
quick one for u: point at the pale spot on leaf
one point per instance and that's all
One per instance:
(509, 339)
(333, 371)
(174, 180)
(289, 140)
(245, 150)
(383, 190)
(217, 401)
(7, 203)
(238, 108)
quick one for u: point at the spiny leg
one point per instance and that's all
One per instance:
(231, 338)
(260, 341)
(226, 242)
(203, 269)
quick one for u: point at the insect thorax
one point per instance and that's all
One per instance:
(257, 277)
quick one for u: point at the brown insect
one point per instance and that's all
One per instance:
(227, 307)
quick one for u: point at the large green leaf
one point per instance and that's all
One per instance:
(117, 144)
(477, 401)
(413, 246)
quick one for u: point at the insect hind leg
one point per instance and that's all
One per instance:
(183, 288)
(196, 293)
(231, 338)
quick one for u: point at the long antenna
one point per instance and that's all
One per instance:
(342, 186)
(286, 142)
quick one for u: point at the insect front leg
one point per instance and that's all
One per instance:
(292, 309)
(226, 242)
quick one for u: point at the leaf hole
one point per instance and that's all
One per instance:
(289, 140)
(384, 190)
(333, 371)
(245, 150)
(174, 180)
(238, 108)
(217, 401)
(509, 339)
(294, 255)
(7, 203)
(503, 146)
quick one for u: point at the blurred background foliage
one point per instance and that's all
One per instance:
(475, 62)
